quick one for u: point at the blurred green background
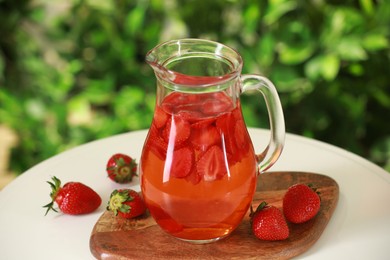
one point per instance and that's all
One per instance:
(74, 71)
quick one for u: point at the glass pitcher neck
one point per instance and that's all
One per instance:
(195, 65)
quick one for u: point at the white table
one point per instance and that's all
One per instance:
(359, 228)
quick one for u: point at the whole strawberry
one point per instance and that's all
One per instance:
(268, 223)
(73, 198)
(121, 168)
(126, 203)
(301, 203)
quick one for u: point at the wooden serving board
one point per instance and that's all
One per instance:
(141, 238)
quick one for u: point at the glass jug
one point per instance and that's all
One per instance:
(198, 166)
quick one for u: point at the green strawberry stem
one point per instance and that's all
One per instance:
(117, 202)
(260, 207)
(55, 187)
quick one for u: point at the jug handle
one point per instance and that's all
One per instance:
(276, 119)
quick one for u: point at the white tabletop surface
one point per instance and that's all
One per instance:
(359, 228)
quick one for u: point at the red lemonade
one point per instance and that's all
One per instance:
(198, 167)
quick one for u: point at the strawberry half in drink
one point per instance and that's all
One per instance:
(198, 167)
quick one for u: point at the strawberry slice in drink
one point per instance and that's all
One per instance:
(217, 103)
(182, 161)
(177, 102)
(205, 137)
(193, 177)
(156, 144)
(211, 166)
(225, 124)
(202, 122)
(177, 129)
(240, 134)
(191, 116)
(160, 117)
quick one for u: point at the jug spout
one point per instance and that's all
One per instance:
(155, 62)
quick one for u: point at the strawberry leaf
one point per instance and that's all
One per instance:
(55, 187)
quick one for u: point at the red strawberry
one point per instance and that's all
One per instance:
(126, 203)
(301, 203)
(121, 168)
(73, 198)
(182, 161)
(268, 223)
(212, 164)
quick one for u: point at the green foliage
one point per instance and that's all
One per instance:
(73, 72)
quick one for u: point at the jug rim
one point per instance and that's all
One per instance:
(179, 48)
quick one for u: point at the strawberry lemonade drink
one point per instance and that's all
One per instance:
(198, 167)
